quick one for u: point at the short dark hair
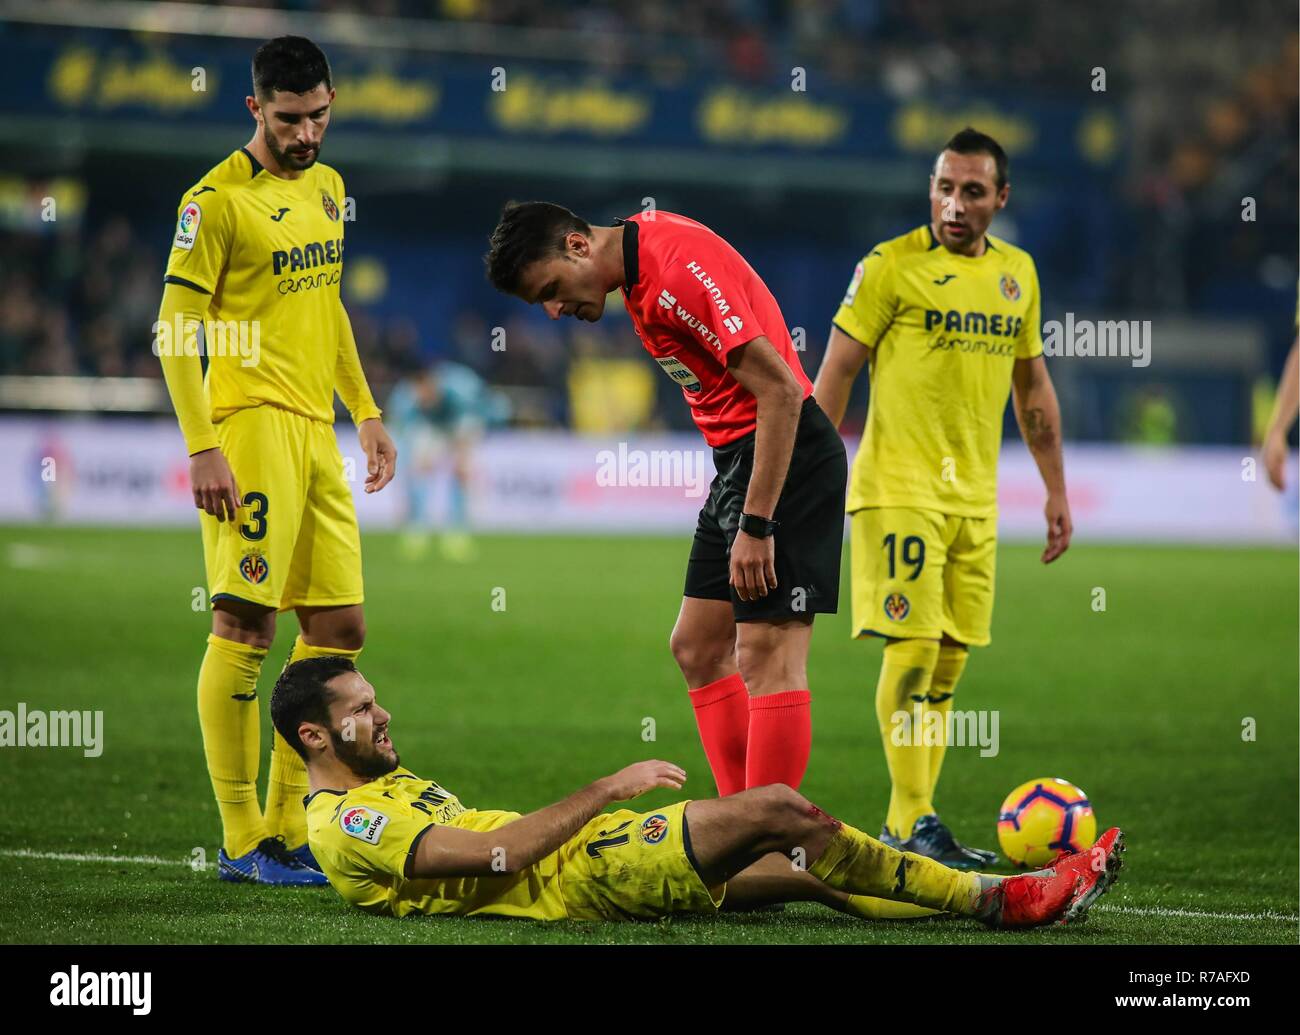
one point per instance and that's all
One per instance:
(290, 63)
(971, 141)
(300, 695)
(526, 232)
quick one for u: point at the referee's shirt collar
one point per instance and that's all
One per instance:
(631, 259)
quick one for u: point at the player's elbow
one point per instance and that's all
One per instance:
(783, 393)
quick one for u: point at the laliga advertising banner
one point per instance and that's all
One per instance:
(92, 471)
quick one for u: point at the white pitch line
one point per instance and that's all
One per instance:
(158, 860)
(86, 857)
(1197, 914)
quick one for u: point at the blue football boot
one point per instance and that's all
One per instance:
(270, 862)
(935, 841)
(303, 854)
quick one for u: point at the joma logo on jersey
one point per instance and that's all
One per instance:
(714, 291)
(973, 323)
(307, 257)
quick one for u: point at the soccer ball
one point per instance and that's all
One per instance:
(1044, 819)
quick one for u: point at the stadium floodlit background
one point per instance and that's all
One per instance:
(1154, 179)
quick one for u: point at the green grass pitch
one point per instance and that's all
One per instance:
(1142, 704)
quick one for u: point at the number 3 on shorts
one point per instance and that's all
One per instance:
(913, 554)
(256, 530)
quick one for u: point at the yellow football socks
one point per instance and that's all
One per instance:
(287, 785)
(232, 733)
(858, 864)
(866, 907)
(905, 671)
(947, 670)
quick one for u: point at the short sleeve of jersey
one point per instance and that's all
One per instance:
(713, 305)
(870, 302)
(1029, 342)
(202, 236)
(378, 839)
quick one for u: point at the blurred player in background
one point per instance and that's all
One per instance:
(396, 845)
(766, 555)
(1286, 407)
(258, 254)
(437, 415)
(947, 319)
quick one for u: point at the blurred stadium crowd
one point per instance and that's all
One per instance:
(1212, 107)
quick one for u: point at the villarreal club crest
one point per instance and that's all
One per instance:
(254, 567)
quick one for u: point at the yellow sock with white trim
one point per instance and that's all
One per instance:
(231, 724)
(905, 671)
(287, 785)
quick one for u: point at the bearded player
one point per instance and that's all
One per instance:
(946, 318)
(258, 255)
(766, 555)
(394, 844)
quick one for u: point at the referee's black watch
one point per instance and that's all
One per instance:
(758, 527)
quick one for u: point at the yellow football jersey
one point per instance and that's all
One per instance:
(946, 330)
(269, 251)
(362, 839)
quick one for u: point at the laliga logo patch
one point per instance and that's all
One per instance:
(331, 209)
(364, 824)
(853, 284)
(1010, 289)
(254, 568)
(187, 228)
(897, 607)
(654, 829)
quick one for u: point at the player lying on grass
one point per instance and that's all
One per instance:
(395, 844)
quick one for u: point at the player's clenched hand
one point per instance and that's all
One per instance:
(636, 779)
(213, 484)
(1059, 527)
(753, 565)
(381, 454)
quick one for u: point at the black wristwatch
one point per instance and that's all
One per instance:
(758, 527)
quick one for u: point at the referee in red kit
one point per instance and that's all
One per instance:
(766, 555)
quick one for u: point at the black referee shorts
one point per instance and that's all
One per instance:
(809, 541)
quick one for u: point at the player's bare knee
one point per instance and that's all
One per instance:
(243, 623)
(700, 658)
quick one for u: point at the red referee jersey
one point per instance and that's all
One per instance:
(693, 298)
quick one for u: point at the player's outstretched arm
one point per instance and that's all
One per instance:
(840, 367)
(1039, 414)
(452, 852)
(1285, 409)
(175, 341)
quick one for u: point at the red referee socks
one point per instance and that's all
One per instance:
(722, 713)
(780, 738)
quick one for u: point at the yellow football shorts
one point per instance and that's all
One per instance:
(918, 574)
(629, 865)
(295, 541)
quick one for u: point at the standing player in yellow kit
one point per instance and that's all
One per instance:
(257, 258)
(947, 319)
